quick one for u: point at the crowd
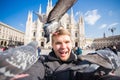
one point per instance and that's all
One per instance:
(3, 48)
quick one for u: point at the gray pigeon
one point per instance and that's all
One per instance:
(16, 60)
(105, 58)
(61, 7)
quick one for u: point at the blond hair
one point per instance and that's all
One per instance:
(61, 31)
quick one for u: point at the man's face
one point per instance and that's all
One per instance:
(62, 46)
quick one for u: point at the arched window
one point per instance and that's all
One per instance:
(76, 44)
(5, 43)
(42, 44)
(76, 34)
(34, 34)
(1, 42)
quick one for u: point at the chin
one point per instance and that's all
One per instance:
(64, 59)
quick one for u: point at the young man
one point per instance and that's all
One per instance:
(61, 63)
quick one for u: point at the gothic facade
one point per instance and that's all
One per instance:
(34, 29)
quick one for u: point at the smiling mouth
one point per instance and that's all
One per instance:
(63, 53)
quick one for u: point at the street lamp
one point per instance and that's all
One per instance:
(112, 29)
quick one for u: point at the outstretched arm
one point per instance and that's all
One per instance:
(36, 72)
(19, 76)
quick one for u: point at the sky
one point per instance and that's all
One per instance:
(100, 16)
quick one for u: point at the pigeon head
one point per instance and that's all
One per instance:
(49, 28)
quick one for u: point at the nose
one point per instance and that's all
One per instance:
(63, 45)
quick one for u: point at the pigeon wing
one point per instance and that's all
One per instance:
(60, 9)
(17, 60)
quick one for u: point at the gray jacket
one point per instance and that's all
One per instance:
(52, 68)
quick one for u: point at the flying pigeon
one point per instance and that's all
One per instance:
(105, 58)
(61, 7)
(17, 60)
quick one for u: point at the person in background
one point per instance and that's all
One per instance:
(39, 50)
(78, 51)
(74, 49)
(5, 48)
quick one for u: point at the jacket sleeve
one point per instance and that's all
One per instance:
(36, 72)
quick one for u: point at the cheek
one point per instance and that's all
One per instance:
(56, 47)
(70, 46)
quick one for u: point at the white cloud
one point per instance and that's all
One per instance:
(103, 26)
(91, 17)
(113, 24)
(108, 26)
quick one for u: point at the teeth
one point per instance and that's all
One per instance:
(63, 52)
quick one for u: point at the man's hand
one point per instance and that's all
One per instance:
(19, 76)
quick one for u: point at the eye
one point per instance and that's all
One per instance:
(67, 42)
(57, 43)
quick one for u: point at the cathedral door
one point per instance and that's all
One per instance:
(42, 44)
(76, 44)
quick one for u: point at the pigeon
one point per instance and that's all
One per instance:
(105, 58)
(17, 60)
(51, 22)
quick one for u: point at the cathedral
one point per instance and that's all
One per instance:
(34, 29)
